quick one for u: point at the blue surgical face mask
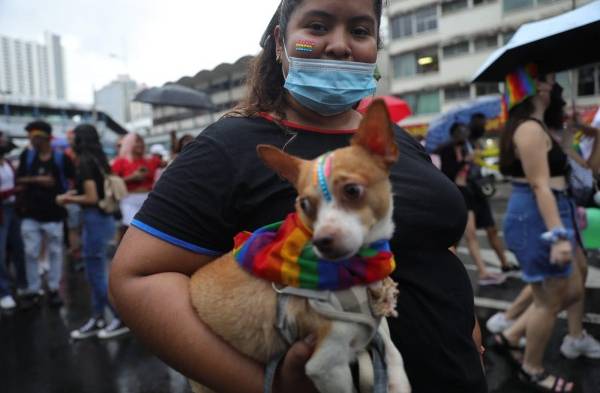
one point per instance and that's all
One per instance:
(329, 87)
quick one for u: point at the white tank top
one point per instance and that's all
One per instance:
(7, 181)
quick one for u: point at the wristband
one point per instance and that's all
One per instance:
(556, 234)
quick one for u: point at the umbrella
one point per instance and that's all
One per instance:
(439, 128)
(397, 108)
(555, 44)
(175, 95)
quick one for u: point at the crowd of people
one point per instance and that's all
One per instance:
(49, 193)
(218, 187)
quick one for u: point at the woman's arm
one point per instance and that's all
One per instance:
(89, 196)
(149, 285)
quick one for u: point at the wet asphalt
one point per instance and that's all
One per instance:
(37, 355)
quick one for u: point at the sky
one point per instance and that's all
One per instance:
(154, 41)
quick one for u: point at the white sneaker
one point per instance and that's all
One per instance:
(7, 303)
(585, 345)
(115, 328)
(498, 323)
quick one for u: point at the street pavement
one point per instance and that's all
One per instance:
(36, 354)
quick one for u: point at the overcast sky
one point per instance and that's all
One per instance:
(154, 41)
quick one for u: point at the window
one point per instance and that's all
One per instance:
(418, 21)
(456, 49)
(402, 26)
(457, 92)
(506, 36)
(483, 89)
(453, 6)
(481, 2)
(482, 43)
(426, 19)
(586, 81)
(419, 62)
(424, 102)
(511, 5)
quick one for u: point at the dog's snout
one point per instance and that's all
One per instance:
(324, 244)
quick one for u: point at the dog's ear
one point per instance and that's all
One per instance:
(375, 133)
(285, 165)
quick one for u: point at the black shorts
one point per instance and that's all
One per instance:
(478, 205)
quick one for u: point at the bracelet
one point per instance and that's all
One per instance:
(555, 234)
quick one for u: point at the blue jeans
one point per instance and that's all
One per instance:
(32, 231)
(10, 234)
(98, 230)
(523, 226)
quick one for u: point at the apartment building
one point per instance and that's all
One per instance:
(436, 46)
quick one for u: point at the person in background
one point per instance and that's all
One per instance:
(137, 171)
(456, 159)
(98, 230)
(218, 187)
(159, 153)
(180, 144)
(539, 226)
(484, 219)
(577, 342)
(73, 217)
(10, 230)
(43, 173)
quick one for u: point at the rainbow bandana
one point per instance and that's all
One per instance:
(520, 84)
(283, 253)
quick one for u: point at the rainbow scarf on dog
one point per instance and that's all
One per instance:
(283, 253)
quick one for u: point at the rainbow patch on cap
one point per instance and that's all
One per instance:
(305, 46)
(520, 84)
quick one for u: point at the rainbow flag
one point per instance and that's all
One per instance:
(520, 84)
(283, 253)
(305, 46)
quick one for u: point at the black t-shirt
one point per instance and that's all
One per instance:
(38, 202)
(88, 170)
(218, 187)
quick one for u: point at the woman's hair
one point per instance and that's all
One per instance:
(516, 116)
(264, 85)
(127, 144)
(88, 148)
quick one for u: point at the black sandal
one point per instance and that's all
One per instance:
(535, 381)
(513, 353)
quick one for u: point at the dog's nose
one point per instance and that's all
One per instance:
(324, 244)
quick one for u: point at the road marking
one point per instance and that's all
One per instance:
(502, 305)
(491, 259)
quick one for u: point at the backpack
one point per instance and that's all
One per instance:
(59, 161)
(115, 190)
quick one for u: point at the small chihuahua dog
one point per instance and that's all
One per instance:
(349, 209)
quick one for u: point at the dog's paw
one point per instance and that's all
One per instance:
(398, 381)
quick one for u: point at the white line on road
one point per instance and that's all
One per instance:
(490, 258)
(502, 305)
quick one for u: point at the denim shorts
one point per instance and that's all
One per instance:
(523, 226)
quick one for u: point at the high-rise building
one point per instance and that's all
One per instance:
(115, 99)
(32, 72)
(436, 46)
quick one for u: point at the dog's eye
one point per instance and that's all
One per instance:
(306, 205)
(353, 191)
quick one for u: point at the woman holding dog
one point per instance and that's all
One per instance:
(218, 187)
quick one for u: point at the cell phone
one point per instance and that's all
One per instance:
(143, 169)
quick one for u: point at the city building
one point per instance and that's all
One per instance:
(435, 47)
(32, 72)
(225, 86)
(116, 100)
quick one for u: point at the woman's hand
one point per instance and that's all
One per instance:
(65, 198)
(291, 375)
(561, 253)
